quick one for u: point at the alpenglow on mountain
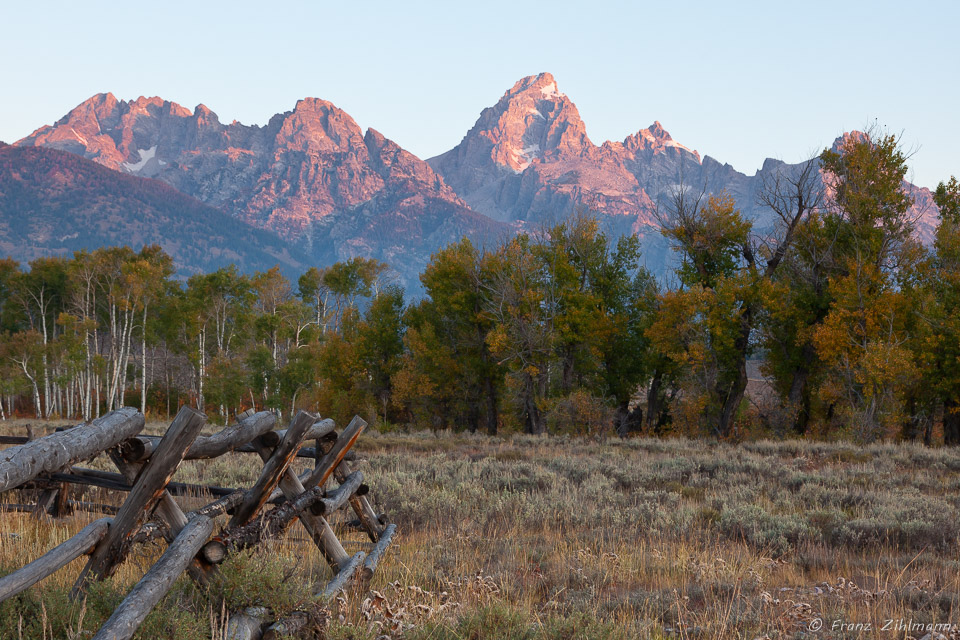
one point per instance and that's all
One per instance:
(332, 191)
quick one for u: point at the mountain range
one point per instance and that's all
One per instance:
(329, 191)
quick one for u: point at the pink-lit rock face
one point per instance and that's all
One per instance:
(314, 177)
(529, 158)
(302, 166)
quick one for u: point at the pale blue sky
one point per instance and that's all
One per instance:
(739, 81)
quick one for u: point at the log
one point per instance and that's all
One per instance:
(61, 505)
(76, 505)
(373, 558)
(79, 505)
(343, 578)
(54, 560)
(117, 482)
(275, 523)
(318, 430)
(247, 624)
(51, 453)
(143, 497)
(167, 509)
(273, 470)
(317, 527)
(45, 503)
(289, 627)
(324, 469)
(128, 617)
(212, 446)
(338, 498)
(361, 506)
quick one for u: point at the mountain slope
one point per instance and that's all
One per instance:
(528, 158)
(54, 202)
(315, 178)
(310, 175)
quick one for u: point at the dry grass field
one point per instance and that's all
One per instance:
(548, 538)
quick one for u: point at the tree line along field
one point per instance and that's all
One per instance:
(854, 323)
(537, 537)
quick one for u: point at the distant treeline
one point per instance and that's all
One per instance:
(855, 324)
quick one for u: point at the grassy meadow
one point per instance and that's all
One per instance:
(532, 538)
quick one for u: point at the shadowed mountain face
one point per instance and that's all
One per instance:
(313, 177)
(53, 202)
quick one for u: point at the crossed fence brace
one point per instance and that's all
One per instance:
(146, 465)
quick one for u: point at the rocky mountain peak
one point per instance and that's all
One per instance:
(656, 139)
(318, 126)
(532, 123)
(849, 137)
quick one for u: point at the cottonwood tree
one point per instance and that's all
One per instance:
(523, 335)
(863, 340)
(725, 266)
(448, 373)
(941, 351)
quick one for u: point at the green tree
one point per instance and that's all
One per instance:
(448, 372)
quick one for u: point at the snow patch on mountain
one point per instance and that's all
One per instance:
(551, 91)
(146, 155)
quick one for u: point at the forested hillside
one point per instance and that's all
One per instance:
(854, 323)
(54, 203)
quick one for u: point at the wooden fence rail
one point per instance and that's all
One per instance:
(149, 509)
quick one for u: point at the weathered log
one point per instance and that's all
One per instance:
(117, 482)
(338, 498)
(373, 558)
(45, 502)
(143, 497)
(212, 446)
(246, 624)
(167, 509)
(51, 453)
(275, 523)
(289, 627)
(54, 560)
(128, 617)
(318, 528)
(317, 430)
(343, 578)
(214, 551)
(361, 506)
(324, 469)
(273, 470)
(17, 506)
(61, 504)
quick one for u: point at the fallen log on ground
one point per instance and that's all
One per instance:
(54, 560)
(128, 617)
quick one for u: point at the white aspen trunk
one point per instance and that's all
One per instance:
(33, 384)
(202, 368)
(143, 363)
(127, 351)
